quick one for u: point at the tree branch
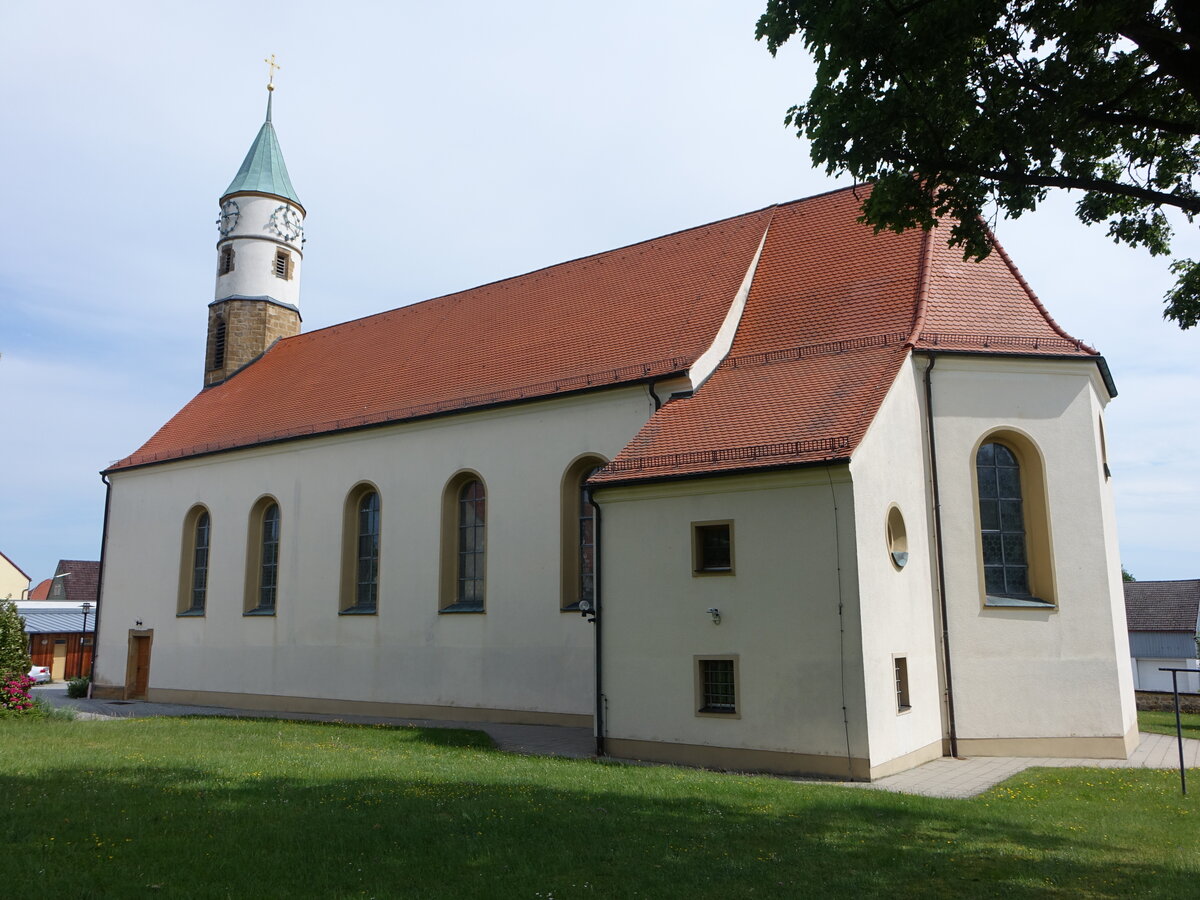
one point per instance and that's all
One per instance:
(1146, 195)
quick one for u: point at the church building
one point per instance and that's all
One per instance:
(773, 493)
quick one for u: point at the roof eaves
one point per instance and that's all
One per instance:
(397, 420)
(719, 473)
(1100, 361)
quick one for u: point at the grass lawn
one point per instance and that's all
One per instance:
(1164, 722)
(259, 808)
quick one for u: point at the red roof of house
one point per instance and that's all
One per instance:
(42, 591)
(832, 313)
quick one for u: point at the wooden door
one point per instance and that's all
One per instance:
(58, 666)
(138, 678)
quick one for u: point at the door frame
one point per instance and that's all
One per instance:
(135, 636)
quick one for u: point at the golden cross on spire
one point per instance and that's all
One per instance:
(271, 67)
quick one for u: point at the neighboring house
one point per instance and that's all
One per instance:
(75, 581)
(1164, 619)
(60, 618)
(61, 637)
(14, 583)
(818, 482)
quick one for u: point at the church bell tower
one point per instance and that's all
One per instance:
(259, 254)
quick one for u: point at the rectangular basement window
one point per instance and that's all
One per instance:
(716, 686)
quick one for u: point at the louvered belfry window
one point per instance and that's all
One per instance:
(218, 361)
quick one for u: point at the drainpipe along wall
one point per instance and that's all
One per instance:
(941, 570)
(100, 582)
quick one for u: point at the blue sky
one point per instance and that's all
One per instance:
(434, 153)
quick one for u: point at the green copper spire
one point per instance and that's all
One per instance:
(263, 169)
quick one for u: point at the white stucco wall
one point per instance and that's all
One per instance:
(779, 612)
(255, 244)
(523, 654)
(888, 469)
(1032, 673)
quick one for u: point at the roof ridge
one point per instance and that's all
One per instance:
(922, 299)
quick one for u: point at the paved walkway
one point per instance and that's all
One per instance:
(940, 778)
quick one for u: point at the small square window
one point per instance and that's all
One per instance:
(712, 548)
(716, 686)
(900, 667)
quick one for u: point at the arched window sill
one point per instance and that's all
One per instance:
(260, 611)
(358, 611)
(463, 608)
(190, 614)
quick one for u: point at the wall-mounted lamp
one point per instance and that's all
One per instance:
(137, 624)
(716, 615)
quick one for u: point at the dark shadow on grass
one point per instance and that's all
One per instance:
(409, 830)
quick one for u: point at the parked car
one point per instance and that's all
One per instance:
(39, 674)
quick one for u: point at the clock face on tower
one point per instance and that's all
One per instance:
(286, 223)
(229, 217)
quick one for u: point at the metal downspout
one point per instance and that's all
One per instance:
(941, 569)
(100, 583)
(597, 621)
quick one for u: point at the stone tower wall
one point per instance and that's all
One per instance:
(251, 326)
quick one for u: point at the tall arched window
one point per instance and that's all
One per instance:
(360, 551)
(193, 568)
(1002, 522)
(262, 558)
(1014, 523)
(464, 544)
(578, 546)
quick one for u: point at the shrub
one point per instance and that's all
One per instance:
(14, 645)
(14, 694)
(77, 687)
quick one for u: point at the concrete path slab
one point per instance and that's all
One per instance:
(944, 777)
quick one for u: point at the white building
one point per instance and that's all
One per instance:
(1164, 632)
(851, 508)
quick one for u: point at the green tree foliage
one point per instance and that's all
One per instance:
(1126, 575)
(14, 645)
(954, 107)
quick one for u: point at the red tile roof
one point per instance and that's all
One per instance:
(641, 311)
(42, 591)
(832, 313)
